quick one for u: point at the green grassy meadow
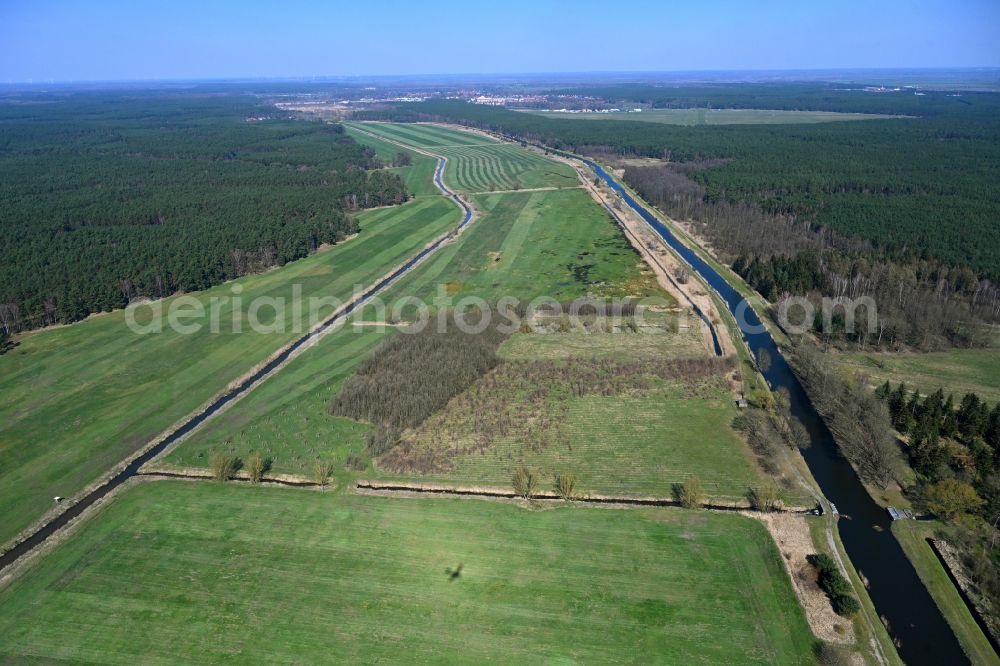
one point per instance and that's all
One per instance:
(419, 176)
(633, 445)
(285, 418)
(530, 244)
(504, 167)
(957, 371)
(77, 400)
(718, 116)
(428, 136)
(175, 572)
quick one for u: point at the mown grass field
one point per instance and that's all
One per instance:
(505, 167)
(482, 165)
(719, 116)
(957, 371)
(529, 244)
(76, 400)
(428, 136)
(285, 419)
(419, 176)
(176, 572)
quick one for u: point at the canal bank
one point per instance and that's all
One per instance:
(915, 623)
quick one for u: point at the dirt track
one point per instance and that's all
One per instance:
(662, 262)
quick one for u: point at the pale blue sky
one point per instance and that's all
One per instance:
(82, 40)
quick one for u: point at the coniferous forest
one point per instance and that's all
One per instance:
(110, 196)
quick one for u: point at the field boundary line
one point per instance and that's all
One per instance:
(404, 488)
(551, 188)
(288, 480)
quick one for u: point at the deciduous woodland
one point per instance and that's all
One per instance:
(414, 374)
(106, 197)
(921, 303)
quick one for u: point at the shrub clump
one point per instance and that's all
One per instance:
(321, 472)
(256, 466)
(356, 462)
(837, 588)
(764, 498)
(223, 466)
(566, 485)
(828, 654)
(524, 482)
(690, 493)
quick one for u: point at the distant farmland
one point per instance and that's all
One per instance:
(480, 164)
(718, 116)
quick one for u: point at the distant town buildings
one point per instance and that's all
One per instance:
(504, 100)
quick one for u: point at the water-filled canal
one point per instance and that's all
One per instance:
(900, 597)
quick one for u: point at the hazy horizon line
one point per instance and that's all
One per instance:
(319, 78)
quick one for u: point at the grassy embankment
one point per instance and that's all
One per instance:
(77, 400)
(221, 573)
(912, 536)
(957, 371)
